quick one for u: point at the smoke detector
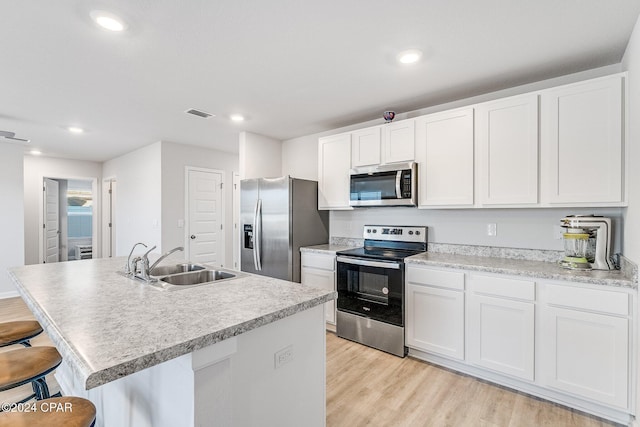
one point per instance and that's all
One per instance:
(11, 136)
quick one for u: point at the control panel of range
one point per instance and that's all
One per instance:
(395, 233)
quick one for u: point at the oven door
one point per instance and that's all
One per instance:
(371, 288)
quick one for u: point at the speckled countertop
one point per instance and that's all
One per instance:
(518, 267)
(328, 249)
(107, 326)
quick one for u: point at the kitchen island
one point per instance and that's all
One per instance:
(247, 351)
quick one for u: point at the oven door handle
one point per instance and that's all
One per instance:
(367, 263)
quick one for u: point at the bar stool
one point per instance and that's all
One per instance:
(19, 332)
(65, 411)
(28, 365)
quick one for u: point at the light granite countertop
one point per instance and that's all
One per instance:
(328, 249)
(518, 267)
(107, 326)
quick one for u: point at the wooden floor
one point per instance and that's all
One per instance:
(367, 387)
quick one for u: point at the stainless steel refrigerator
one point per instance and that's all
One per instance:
(277, 217)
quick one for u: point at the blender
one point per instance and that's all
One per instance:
(587, 242)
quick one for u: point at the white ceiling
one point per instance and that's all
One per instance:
(292, 67)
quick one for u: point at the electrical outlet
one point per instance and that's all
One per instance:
(283, 356)
(492, 229)
(557, 232)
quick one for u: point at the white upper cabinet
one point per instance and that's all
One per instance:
(398, 142)
(507, 138)
(366, 147)
(582, 143)
(389, 143)
(334, 163)
(444, 152)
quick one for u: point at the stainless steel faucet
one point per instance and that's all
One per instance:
(127, 268)
(144, 272)
(164, 255)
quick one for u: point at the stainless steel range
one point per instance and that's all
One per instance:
(370, 286)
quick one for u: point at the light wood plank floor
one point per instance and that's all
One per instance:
(367, 387)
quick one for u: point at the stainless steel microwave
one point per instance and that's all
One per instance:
(385, 185)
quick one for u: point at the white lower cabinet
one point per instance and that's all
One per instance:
(501, 325)
(435, 311)
(584, 344)
(568, 342)
(319, 270)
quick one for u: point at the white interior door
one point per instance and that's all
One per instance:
(51, 221)
(205, 213)
(108, 219)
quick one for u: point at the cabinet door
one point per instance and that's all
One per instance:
(501, 335)
(324, 279)
(585, 354)
(583, 142)
(435, 320)
(334, 163)
(399, 142)
(507, 137)
(366, 147)
(444, 148)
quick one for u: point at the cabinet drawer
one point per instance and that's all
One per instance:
(323, 262)
(443, 279)
(588, 299)
(503, 287)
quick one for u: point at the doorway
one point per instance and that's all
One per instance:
(68, 219)
(204, 211)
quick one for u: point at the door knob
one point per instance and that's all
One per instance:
(193, 237)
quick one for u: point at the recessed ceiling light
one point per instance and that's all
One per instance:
(74, 129)
(35, 152)
(409, 56)
(237, 118)
(108, 20)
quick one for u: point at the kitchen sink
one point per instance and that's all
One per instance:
(197, 277)
(165, 270)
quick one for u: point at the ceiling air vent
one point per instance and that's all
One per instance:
(199, 113)
(11, 136)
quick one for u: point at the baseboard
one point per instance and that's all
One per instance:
(9, 294)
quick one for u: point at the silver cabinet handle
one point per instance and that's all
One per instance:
(367, 263)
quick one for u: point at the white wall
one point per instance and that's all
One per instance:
(35, 169)
(138, 210)
(300, 158)
(175, 157)
(260, 156)
(631, 63)
(12, 224)
(519, 228)
(516, 228)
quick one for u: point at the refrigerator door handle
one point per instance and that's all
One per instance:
(257, 235)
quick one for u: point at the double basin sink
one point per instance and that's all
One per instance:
(180, 276)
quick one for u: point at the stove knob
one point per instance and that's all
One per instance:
(417, 233)
(368, 230)
(375, 231)
(410, 232)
